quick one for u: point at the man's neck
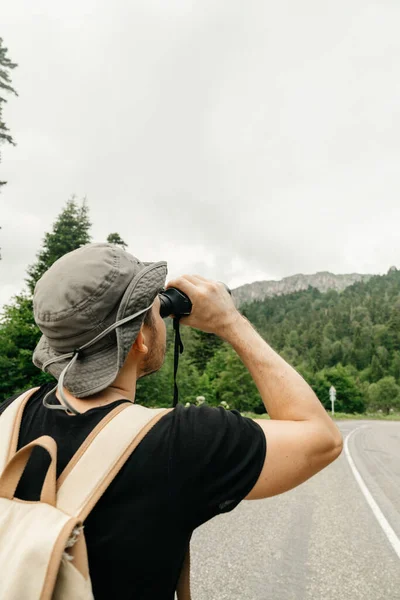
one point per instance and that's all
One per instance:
(107, 396)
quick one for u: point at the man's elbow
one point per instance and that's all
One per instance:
(336, 446)
(330, 445)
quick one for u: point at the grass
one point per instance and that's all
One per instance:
(342, 416)
(372, 416)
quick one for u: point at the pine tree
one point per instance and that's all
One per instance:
(204, 347)
(70, 231)
(18, 331)
(115, 238)
(395, 366)
(6, 65)
(231, 382)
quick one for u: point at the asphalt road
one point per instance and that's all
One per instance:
(320, 541)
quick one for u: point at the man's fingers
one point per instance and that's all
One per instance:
(201, 278)
(186, 284)
(194, 279)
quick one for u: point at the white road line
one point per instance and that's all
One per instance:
(380, 517)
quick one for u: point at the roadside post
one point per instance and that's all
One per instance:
(332, 396)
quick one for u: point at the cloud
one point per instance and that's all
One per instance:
(240, 142)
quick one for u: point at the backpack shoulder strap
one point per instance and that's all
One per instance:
(98, 461)
(10, 423)
(96, 464)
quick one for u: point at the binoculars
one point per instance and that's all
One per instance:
(174, 302)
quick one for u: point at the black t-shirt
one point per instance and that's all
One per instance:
(195, 463)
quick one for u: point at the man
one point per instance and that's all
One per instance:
(98, 310)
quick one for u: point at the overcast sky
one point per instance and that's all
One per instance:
(239, 140)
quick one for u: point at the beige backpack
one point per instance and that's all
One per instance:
(42, 544)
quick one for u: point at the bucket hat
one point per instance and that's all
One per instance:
(90, 305)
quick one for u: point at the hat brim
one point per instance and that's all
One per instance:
(93, 373)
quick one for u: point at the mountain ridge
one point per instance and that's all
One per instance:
(322, 280)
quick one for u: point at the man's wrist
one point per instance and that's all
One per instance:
(231, 328)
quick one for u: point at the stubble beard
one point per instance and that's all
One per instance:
(154, 360)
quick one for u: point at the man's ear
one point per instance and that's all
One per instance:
(139, 345)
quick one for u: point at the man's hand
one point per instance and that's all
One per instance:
(213, 309)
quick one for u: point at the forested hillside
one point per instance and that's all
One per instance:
(348, 339)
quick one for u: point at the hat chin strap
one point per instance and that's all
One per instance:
(64, 404)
